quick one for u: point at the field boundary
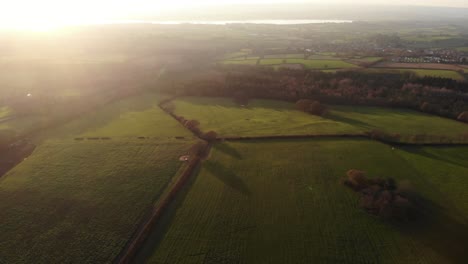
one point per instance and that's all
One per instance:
(146, 226)
(344, 136)
(417, 140)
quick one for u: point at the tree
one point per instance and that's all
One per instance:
(463, 117)
(191, 124)
(380, 197)
(210, 136)
(241, 98)
(311, 107)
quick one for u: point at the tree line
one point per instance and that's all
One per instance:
(434, 95)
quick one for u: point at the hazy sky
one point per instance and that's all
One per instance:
(43, 13)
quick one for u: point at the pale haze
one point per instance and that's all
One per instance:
(49, 13)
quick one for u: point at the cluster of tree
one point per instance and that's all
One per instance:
(463, 117)
(311, 107)
(381, 197)
(438, 96)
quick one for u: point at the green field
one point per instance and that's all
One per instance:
(281, 202)
(235, 55)
(241, 62)
(315, 64)
(259, 118)
(266, 118)
(444, 167)
(465, 49)
(80, 201)
(285, 56)
(25, 124)
(272, 61)
(134, 117)
(398, 121)
(5, 112)
(368, 59)
(323, 64)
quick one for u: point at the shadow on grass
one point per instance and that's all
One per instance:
(159, 231)
(433, 226)
(227, 177)
(229, 103)
(420, 151)
(347, 120)
(227, 149)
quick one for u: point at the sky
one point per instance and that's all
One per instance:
(47, 13)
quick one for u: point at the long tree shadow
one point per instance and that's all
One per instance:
(227, 149)
(227, 177)
(421, 152)
(432, 225)
(347, 120)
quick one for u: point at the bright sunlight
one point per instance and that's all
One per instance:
(52, 14)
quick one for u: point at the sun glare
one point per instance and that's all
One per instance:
(44, 15)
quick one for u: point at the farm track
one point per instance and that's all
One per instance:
(145, 227)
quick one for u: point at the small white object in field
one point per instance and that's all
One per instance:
(184, 158)
(393, 148)
(29, 95)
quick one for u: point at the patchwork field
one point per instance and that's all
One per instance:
(266, 118)
(80, 202)
(315, 64)
(281, 201)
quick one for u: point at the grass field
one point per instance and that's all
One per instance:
(272, 61)
(370, 59)
(323, 64)
(134, 117)
(24, 125)
(4, 112)
(316, 64)
(285, 56)
(241, 62)
(266, 117)
(79, 202)
(260, 118)
(398, 121)
(465, 49)
(281, 202)
(446, 168)
(366, 60)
